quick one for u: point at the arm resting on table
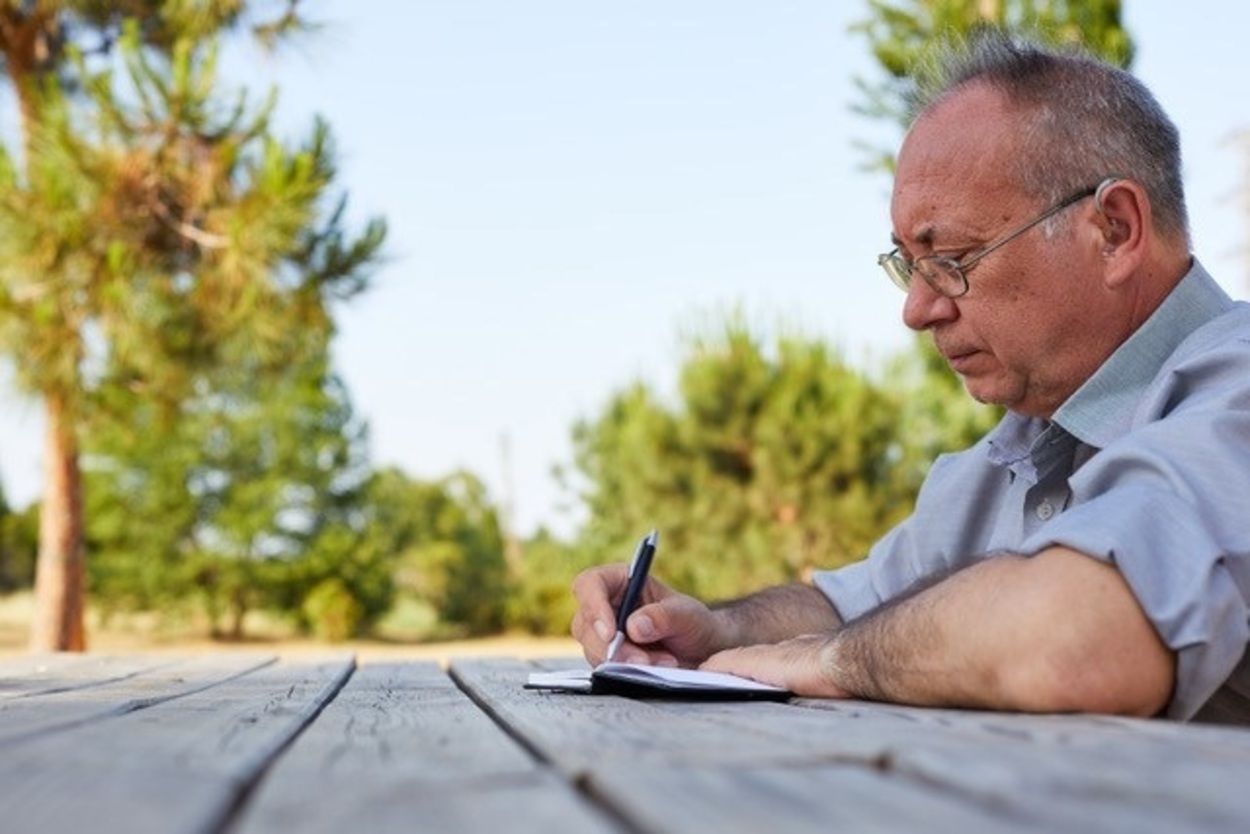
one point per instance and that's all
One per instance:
(1055, 632)
(1058, 631)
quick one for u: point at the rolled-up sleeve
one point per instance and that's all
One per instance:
(1167, 506)
(957, 505)
(860, 587)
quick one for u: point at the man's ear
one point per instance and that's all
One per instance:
(1123, 218)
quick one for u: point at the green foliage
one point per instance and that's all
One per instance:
(156, 232)
(540, 602)
(934, 410)
(249, 499)
(19, 544)
(444, 540)
(773, 462)
(904, 36)
(156, 236)
(333, 611)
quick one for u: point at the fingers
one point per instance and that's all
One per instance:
(651, 623)
(730, 660)
(684, 627)
(592, 636)
(594, 624)
(759, 663)
(799, 665)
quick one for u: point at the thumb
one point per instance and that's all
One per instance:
(658, 621)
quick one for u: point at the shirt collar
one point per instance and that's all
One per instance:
(1102, 409)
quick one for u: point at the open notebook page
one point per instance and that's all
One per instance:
(664, 678)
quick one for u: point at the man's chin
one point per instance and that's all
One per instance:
(986, 391)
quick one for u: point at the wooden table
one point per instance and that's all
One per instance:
(243, 743)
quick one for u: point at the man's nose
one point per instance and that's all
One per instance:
(926, 307)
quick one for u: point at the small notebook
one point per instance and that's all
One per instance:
(655, 682)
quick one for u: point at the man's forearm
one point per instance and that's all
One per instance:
(776, 614)
(1056, 632)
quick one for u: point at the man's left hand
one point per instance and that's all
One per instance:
(803, 665)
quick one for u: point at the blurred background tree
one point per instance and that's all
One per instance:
(775, 460)
(19, 540)
(249, 500)
(151, 229)
(444, 542)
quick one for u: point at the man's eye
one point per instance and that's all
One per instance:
(956, 255)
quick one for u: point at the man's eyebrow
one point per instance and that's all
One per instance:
(924, 236)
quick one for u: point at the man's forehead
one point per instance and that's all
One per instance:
(960, 132)
(952, 177)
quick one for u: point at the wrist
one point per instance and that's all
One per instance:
(833, 670)
(728, 631)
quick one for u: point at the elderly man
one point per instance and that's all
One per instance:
(1092, 552)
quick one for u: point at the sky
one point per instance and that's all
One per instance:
(574, 187)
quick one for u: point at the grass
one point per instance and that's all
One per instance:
(149, 633)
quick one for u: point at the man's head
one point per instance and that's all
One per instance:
(1013, 132)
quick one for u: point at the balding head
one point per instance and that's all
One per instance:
(1079, 120)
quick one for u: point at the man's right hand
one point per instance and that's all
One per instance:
(667, 628)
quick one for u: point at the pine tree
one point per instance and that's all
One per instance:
(247, 501)
(149, 231)
(774, 460)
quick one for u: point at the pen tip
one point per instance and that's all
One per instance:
(653, 537)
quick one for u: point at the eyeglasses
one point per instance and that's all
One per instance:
(947, 276)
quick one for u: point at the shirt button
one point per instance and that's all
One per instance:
(1045, 509)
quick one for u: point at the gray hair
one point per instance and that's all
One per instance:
(1084, 120)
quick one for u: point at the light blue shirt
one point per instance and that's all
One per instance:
(1146, 467)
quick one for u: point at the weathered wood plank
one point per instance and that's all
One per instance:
(557, 664)
(48, 673)
(1112, 779)
(19, 666)
(737, 767)
(1032, 772)
(811, 797)
(178, 765)
(1081, 730)
(574, 732)
(403, 747)
(179, 749)
(58, 710)
(535, 802)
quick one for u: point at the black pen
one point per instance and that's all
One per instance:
(638, 569)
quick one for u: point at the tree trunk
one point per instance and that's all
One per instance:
(59, 579)
(238, 610)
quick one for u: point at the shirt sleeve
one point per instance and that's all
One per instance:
(1166, 505)
(937, 538)
(858, 588)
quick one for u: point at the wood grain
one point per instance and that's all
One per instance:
(1071, 773)
(45, 674)
(62, 708)
(1093, 776)
(177, 765)
(405, 749)
(576, 731)
(811, 797)
(235, 744)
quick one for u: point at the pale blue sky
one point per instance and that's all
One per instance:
(571, 184)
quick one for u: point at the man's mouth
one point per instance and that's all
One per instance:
(961, 360)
